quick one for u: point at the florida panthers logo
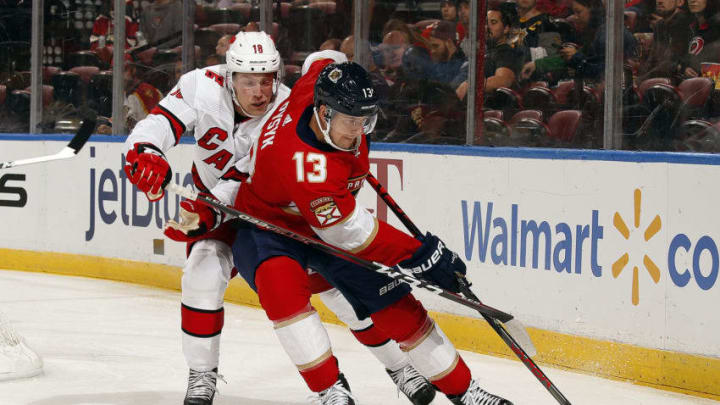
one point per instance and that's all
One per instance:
(326, 211)
(696, 45)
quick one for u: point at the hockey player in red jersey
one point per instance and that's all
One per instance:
(204, 101)
(306, 167)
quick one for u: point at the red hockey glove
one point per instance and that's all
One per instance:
(196, 220)
(436, 263)
(148, 169)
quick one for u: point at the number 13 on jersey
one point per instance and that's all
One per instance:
(318, 174)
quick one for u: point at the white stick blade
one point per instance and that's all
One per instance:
(517, 330)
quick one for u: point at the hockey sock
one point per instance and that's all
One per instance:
(284, 293)
(380, 345)
(430, 351)
(456, 381)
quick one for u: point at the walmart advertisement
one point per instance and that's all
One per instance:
(591, 244)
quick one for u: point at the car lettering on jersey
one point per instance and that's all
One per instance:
(208, 141)
(268, 135)
(326, 210)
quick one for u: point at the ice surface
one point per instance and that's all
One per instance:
(113, 343)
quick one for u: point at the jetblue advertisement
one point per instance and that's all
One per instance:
(615, 250)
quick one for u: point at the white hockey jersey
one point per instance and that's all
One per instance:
(201, 103)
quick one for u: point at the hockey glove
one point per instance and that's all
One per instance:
(436, 264)
(196, 220)
(148, 169)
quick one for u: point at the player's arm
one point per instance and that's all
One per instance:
(340, 221)
(147, 167)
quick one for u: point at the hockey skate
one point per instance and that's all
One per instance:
(201, 387)
(477, 396)
(338, 394)
(418, 389)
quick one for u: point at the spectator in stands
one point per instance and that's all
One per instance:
(347, 46)
(252, 26)
(393, 47)
(394, 24)
(140, 97)
(505, 52)
(161, 23)
(704, 35)
(540, 36)
(449, 10)
(15, 114)
(331, 44)
(585, 58)
(222, 45)
(463, 26)
(450, 61)
(103, 34)
(670, 40)
(214, 59)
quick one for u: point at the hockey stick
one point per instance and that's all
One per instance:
(392, 272)
(72, 148)
(511, 332)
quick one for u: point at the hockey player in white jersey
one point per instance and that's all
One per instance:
(220, 105)
(225, 107)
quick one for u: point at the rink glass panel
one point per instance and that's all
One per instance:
(562, 104)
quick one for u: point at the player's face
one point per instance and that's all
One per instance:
(254, 91)
(345, 129)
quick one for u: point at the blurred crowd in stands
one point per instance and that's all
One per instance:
(544, 65)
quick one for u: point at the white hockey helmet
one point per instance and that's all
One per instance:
(252, 52)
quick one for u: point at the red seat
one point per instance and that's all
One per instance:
(539, 97)
(83, 58)
(696, 91)
(527, 115)
(327, 7)
(85, 72)
(504, 98)
(49, 72)
(647, 84)
(225, 28)
(562, 91)
(493, 114)
(3, 94)
(564, 124)
(47, 94)
(284, 10)
(243, 8)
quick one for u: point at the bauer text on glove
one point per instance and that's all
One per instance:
(434, 262)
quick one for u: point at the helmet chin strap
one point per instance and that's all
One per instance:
(326, 132)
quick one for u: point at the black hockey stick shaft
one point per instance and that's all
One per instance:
(326, 248)
(73, 147)
(465, 288)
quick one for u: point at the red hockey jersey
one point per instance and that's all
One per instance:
(305, 185)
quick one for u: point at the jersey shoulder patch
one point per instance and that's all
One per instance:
(326, 211)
